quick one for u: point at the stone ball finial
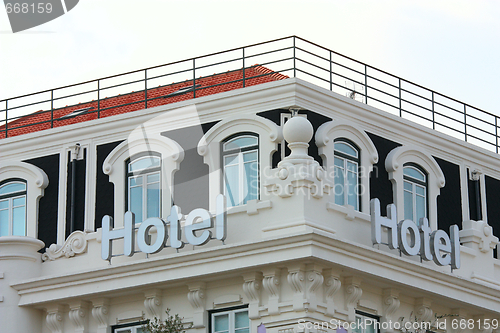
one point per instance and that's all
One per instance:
(298, 129)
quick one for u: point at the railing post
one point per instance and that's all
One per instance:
(243, 49)
(496, 133)
(6, 116)
(98, 99)
(331, 73)
(433, 114)
(400, 106)
(366, 84)
(52, 108)
(294, 65)
(145, 88)
(465, 121)
(194, 78)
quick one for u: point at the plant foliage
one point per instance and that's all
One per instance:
(173, 324)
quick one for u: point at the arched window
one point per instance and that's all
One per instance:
(13, 208)
(415, 192)
(346, 173)
(143, 179)
(240, 156)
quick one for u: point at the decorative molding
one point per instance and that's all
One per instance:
(152, 303)
(76, 243)
(297, 280)
(478, 235)
(55, 319)
(423, 309)
(332, 285)
(391, 305)
(314, 280)
(252, 286)
(78, 316)
(298, 172)
(353, 293)
(196, 297)
(100, 313)
(271, 283)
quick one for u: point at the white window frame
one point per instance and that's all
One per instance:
(36, 181)
(231, 313)
(10, 197)
(394, 164)
(326, 136)
(143, 175)
(414, 184)
(116, 167)
(210, 148)
(239, 152)
(345, 158)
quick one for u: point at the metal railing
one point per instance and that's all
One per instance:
(291, 56)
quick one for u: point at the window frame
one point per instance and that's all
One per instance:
(230, 310)
(394, 165)
(325, 138)
(10, 206)
(143, 173)
(346, 158)
(416, 182)
(370, 316)
(239, 152)
(209, 147)
(133, 326)
(116, 168)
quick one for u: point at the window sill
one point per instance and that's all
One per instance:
(349, 211)
(252, 207)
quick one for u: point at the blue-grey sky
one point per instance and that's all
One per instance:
(452, 47)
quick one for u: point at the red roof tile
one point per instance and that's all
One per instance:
(134, 101)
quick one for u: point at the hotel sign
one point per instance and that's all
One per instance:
(199, 220)
(415, 240)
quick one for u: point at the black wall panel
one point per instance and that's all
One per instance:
(449, 201)
(47, 208)
(380, 185)
(104, 204)
(492, 187)
(191, 181)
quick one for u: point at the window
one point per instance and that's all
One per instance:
(366, 323)
(416, 180)
(346, 173)
(128, 329)
(348, 157)
(13, 208)
(143, 176)
(415, 192)
(234, 321)
(240, 156)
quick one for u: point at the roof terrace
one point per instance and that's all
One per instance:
(288, 57)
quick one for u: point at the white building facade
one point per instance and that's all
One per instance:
(293, 248)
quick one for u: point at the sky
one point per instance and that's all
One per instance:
(451, 47)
